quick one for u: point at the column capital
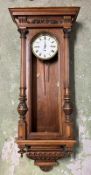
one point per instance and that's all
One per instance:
(67, 32)
(23, 32)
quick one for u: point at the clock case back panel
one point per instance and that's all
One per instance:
(44, 90)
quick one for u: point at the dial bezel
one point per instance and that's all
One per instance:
(42, 34)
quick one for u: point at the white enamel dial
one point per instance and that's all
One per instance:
(44, 46)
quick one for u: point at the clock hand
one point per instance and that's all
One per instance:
(45, 44)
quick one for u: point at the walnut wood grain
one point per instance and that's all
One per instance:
(46, 142)
(45, 128)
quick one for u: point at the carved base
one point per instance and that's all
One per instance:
(46, 158)
(45, 166)
(45, 153)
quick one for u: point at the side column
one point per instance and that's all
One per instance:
(22, 107)
(67, 101)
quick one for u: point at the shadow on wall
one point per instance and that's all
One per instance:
(76, 28)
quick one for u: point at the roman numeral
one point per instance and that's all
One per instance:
(53, 46)
(36, 46)
(39, 54)
(36, 51)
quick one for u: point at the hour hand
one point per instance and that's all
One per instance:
(44, 44)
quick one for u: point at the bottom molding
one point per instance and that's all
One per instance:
(45, 153)
(45, 158)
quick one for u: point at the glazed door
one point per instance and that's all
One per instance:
(45, 90)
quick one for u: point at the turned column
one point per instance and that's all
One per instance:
(67, 101)
(22, 107)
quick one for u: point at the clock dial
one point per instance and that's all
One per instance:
(44, 46)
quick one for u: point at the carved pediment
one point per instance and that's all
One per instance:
(29, 17)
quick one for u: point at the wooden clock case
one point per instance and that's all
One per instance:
(45, 128)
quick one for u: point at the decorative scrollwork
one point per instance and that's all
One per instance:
(49, 158)
(28, 20)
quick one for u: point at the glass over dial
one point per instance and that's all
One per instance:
(44, 46)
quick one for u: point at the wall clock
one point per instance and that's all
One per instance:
(45, 127)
